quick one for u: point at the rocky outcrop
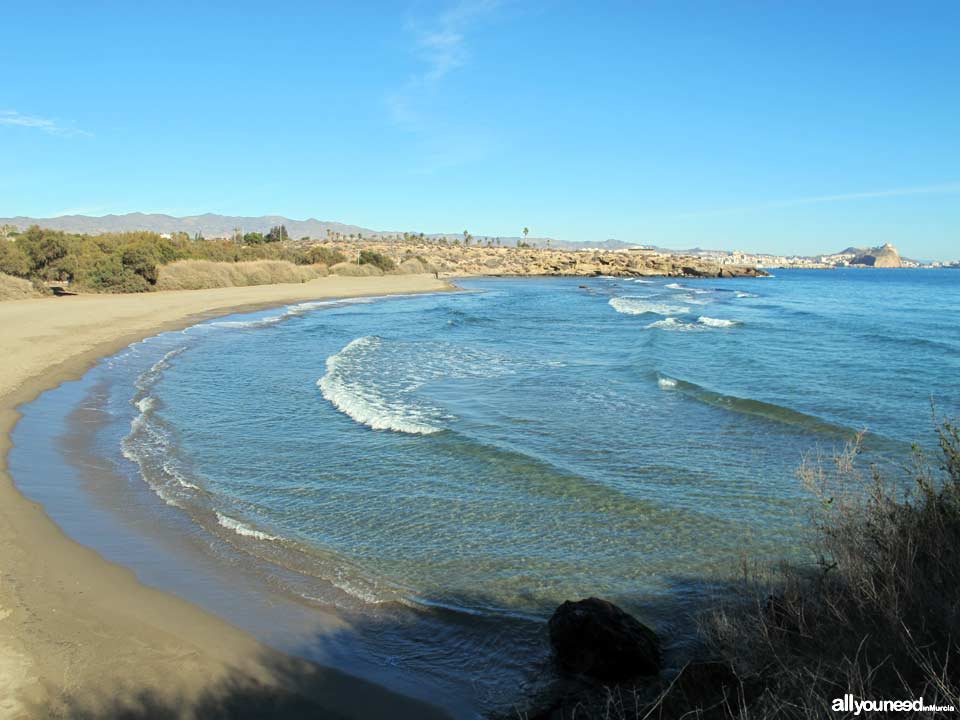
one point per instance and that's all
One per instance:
(885, 256)
(596, 638)
(460, 260)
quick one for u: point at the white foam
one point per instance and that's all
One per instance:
(716, 322)
(684, 288)
(241, 528)
(666, 383)
(741, 294)
(363, 402)
(672, 323)
(178, 476)
(638, 306)
(164, 362)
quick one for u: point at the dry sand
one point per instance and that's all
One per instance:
(81, 637)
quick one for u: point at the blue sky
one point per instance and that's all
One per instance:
(780, 126)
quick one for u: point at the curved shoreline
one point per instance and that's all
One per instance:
(78, 633)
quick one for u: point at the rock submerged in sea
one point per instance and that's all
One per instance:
(594, 637)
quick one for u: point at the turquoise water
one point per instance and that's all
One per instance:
(467, 461)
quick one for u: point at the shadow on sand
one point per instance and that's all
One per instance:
(283, 686)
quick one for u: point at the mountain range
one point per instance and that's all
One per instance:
(212, 225)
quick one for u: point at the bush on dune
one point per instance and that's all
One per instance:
(880, 615)
(353, 270)
(416, 266)
(371, 257)
(200, 274)
(134, 261)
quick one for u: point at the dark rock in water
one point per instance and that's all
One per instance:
(596, 638)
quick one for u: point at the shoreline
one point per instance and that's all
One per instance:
(80, 633)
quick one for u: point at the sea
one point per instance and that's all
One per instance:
(443, 470)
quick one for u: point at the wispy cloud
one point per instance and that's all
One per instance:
(442, 40)
(12, 117)
(942, 189)
(441, 44)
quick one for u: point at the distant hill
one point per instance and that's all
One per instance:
(209, 224)
(883, 256)
(212, 225)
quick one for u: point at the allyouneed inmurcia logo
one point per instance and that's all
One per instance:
(849, 704)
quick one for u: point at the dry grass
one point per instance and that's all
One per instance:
(878, 616)
(199, 274)
(14, 288)
(353, 270)
(415, 266)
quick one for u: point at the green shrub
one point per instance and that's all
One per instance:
(320, 255)
(371, 257)
(13, 260)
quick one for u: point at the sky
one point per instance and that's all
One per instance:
(789, 127)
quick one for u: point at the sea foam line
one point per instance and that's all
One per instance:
(241, 528)
(291, 311)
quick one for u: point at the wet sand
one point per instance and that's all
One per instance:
(81, 637)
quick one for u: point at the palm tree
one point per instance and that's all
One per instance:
(526, 231)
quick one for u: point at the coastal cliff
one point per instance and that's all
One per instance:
(885, 256)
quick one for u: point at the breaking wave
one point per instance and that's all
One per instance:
(241, 528)
(716, 322)
(351, 391)
(639, 306)
(375, 381)
(703, 323)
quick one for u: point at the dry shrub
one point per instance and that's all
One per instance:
(879, 616)
(199, 274)
(14, 288)
(352, 270)
(415, 266)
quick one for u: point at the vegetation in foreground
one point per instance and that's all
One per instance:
(877, 617)
(144, 261)
(136, 261)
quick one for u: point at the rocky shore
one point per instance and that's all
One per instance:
(492, 260)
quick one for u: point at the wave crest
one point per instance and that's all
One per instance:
(639, 306)
(241, 528)
(344, 387)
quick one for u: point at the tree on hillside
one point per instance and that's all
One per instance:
(278, 233)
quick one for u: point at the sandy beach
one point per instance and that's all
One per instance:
(81, 637)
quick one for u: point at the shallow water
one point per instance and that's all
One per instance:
(456, 465)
